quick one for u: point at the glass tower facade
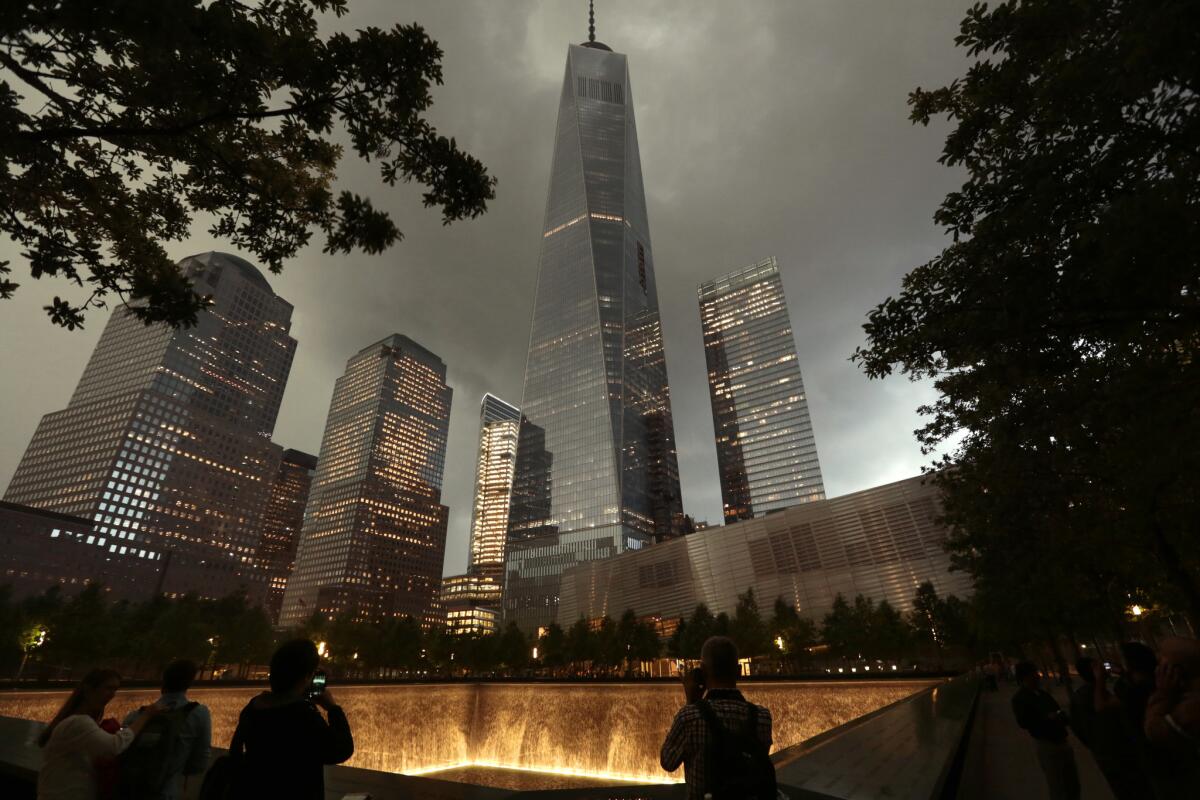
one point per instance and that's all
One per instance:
(499, 426)
(595, 379)
(283, 519)
(165, 444)
(766, 452)
(374, 533)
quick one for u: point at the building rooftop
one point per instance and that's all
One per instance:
(243, 267)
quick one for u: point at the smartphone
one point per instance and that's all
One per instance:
(318, 684)
(698, 677)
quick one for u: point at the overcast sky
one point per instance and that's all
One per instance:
(766, 128)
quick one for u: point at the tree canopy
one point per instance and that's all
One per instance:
(122, 121)
(1061, 324)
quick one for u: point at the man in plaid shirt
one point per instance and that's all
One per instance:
(689, 738)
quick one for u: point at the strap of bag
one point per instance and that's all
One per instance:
(751, 729)
(710, 718)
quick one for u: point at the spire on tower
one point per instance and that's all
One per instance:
(591, 21)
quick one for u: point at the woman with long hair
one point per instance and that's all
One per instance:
(74, 740)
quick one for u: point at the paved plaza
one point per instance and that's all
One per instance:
(1000, 762)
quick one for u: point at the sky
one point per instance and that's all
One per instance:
(765, 128)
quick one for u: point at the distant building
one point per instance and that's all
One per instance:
(282, 522)
(165, 444)
(595, 379)
(882, 543)
(766, 452)
(499, 427)
(471, 604)
(374, 531)
(43, 549)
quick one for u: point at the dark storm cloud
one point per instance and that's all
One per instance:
(765, 129)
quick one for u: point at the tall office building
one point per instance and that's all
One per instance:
(165, 444)
(283, 519)
(499, 427)
(374, 531)
(595, 378)
(766, 453)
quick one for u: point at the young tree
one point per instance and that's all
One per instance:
(608, 651)
(925, 617)
(243, 632)
(402, 644)
(343, 638)
(512, 650)
(676, 646)
(701, 626)
(123, 120)
(627, 637)
(552, 647)
(796, 632)
(890, 634)
(748, 630)
(580, 643)
(646, 645)
(1061, 325)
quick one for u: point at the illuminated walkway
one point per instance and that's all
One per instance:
(1001, 764)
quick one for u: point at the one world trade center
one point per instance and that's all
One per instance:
(596, 471)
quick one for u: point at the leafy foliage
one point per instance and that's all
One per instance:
(121, 121)
(1061, 325)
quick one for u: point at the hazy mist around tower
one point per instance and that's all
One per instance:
(764, 129)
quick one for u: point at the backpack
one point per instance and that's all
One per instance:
(737, 763)
(143, 769)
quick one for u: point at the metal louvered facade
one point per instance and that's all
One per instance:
(882, 543)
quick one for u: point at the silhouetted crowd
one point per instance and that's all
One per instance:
(1140, 720)
(279, 749)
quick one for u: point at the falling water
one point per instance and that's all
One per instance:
(601, 730)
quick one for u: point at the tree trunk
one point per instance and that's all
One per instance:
(1176, 573)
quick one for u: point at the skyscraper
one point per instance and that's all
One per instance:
(283, 519)
(374, 531)
(595, 378)
(766, 453)
(499, 426)
(165, 444)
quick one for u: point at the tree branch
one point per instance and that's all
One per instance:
(226, 115)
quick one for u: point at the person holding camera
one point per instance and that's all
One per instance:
(1039, 714)
(282, 742)
(722, 740)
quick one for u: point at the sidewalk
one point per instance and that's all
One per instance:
(1001, 764)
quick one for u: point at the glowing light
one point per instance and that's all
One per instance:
(779, 642)
(627, 777)
(893, 666)
(1136, 610)
(841, 670)
(322, 650)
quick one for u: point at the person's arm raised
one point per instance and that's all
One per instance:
(337, 743)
